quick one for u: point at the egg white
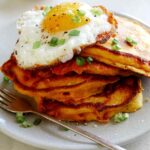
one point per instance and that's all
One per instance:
(29, 27)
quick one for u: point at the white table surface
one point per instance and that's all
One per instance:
(11, 9)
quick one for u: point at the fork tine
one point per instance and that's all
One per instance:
(6, 97)
(7, 92)
(3, 106)
(3, 101)
(4, 93)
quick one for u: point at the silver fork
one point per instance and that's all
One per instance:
(14, 104)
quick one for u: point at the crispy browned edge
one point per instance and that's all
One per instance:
(132, 82)
(102, 112)
(123, 57)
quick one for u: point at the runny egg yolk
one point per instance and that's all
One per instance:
(64, 17)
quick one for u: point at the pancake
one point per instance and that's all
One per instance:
(62, 88)
(94, 67)
(134, 58)
(71, 94)
(127, 97)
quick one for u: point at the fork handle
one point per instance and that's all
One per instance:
(84, 133)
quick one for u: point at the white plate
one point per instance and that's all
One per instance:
(48, 135)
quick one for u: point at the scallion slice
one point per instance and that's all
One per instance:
(5, 79)
(116, 47)
(115, 41)
(65, 129)
(80, 61)
(74, 33)
(120, 117)
(37, 121)
(26, 124)
(36, 44)
(76, 19)
(61, 42)
(89, 59)
(46, 10)
(81, 12)
(20, 118)
(96, 12)
(54, 41)
(130, 41)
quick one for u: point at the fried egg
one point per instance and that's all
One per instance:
(54, 34)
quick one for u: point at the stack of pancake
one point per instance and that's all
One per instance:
(96, 90)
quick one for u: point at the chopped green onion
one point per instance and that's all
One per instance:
(65, 129)
(116, 47)
(89, 59)
(46, 10)
(74, 33)
(61, 42)
(130, 41)
(114, 42)
(120, 117)
(54, 41)
(36, 44)
(80, 61)
(81, 12)
(20, 118)
(5, 79)
(26, 124)
(96, 12)
(37, 121)
(76, 19)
